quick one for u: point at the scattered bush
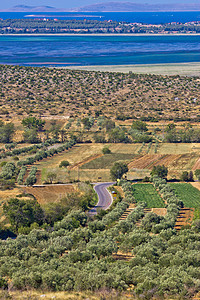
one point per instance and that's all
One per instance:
(64, 164)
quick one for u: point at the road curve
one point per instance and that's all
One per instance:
(104, 196)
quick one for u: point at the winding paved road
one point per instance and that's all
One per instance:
(105, 198)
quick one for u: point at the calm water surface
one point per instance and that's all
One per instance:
(144, 17)
(98, 50)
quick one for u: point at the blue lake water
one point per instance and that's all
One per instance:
(144, 17)
(98, 50)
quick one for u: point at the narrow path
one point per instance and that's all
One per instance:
(104, 196)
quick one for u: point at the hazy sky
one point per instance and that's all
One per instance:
(76, 3)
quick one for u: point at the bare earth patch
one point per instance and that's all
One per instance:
(160, 211)
(6, 195)
(196, 185)
(49, 194)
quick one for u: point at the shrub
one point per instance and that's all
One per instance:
(106, 150)
(64, 163)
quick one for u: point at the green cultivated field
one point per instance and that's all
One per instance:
(106, 161)
(187, 193)
(147, 193)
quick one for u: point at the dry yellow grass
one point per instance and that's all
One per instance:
(64, 93)
(189, 69)
(92, 175)
(177, 157)
(75, 155)
(36, 295)
(120, 190)
(82, 152)
(178, 148)
(5, 195)
(124, 148)
(196, 185)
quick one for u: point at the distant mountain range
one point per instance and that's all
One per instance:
(137, 7)
(25, 8)
(111, 7)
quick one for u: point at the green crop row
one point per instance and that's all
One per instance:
(187, 193)
(147, 193)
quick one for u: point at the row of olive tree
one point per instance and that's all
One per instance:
(40, 155)
(31, 179)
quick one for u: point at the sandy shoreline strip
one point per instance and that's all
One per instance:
(186, 69)
(101, 34)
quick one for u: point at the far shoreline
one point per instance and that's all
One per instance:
(100, 34)
(168, 69)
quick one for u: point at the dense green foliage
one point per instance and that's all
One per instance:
(33, 123)
(31, 179)
(186, 135)
(139, 125)
(46, 153)
(21, 175)
(30, 149)
(106, 150)
(76, 253)
(64, 163)
(187, 176)
(118, 170)
(23, 213)
(8, 176)
(8, 171)
(6, 132)
(160, 171)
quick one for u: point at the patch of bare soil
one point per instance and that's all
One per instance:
(122, 256)
(120, 191)
(196, 165)
(160, 211)
(47, 194)
(148, 161)
(196, 185)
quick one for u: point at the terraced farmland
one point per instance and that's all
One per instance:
(147, 193)
(187, 193)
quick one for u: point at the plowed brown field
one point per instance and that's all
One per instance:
(46, 194)
(196, 165)
(148, 161)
